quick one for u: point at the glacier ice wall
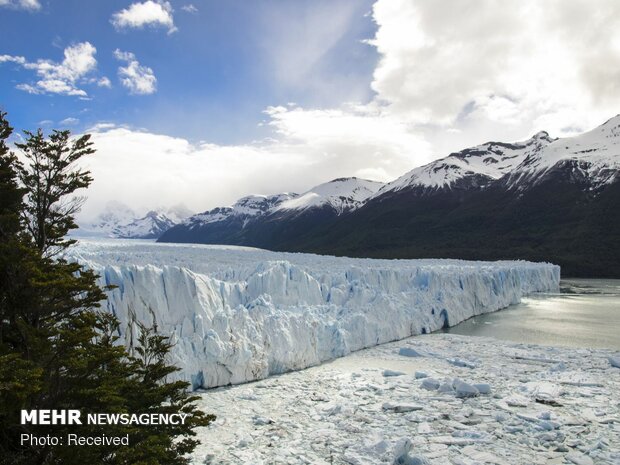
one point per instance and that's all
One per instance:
(240, 314)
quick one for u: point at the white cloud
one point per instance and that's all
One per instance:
(104, 82)
(102, 126)
(150, 13)
(59, 86)
(70, 121)
(310, 147)
(59, 78)
(29, 89)
(138, 79)
(124, 56)
(12, 59)
(455, 73)
(30, 5)
(485, 66)
(189, 8)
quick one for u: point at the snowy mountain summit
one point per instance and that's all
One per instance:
(342, 194)
(595, 155)
(114, 214)
(245, 208)
(256, 217)
(120, 221)
(150, 226)
(472, 167)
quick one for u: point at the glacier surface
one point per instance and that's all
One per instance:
(239, 314)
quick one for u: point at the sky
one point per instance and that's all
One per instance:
(203, 102)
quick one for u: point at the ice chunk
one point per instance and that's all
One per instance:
(579, 459)
(401, 408)
(424, 428)
(615, 361)
(446, 388)
(402, 455)
(260, 421)
(420, 375)
(409, 352)
(547, 425)
(517, 400)
(461, 363)
(389, 373)
(544, 392)
(430, 384)
(463, 389)
(483, 388)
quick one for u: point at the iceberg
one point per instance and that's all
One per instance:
(238, 314)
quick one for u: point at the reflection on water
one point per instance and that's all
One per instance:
(586, 313)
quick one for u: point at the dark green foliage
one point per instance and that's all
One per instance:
(10, 194)
(57, 351)
(50, 176)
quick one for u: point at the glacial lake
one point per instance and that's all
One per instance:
(586, 313)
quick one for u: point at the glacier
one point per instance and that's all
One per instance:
(238, 314)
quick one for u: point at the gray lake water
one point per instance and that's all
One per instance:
(586, 313)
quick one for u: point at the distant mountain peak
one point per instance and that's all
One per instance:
(341, 194)
(119, 220)
(260, 214)
(613, 121)
(246, 207)
(595, 153)
(542, 135)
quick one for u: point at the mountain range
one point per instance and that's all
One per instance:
(542, 199)
(119, 221)
(263, 221)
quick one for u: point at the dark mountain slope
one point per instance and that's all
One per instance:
(557, 220)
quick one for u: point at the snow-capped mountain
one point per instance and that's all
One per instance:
(472, 167)
(255, 220)
(150, 226)
(177, 213)
(118, 220)
(541, 199)
(245, 208)
(343, 194)
(595, 155)
(114, 214)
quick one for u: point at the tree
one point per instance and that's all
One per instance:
(57, 350)
(10, 193)
(50, 178)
